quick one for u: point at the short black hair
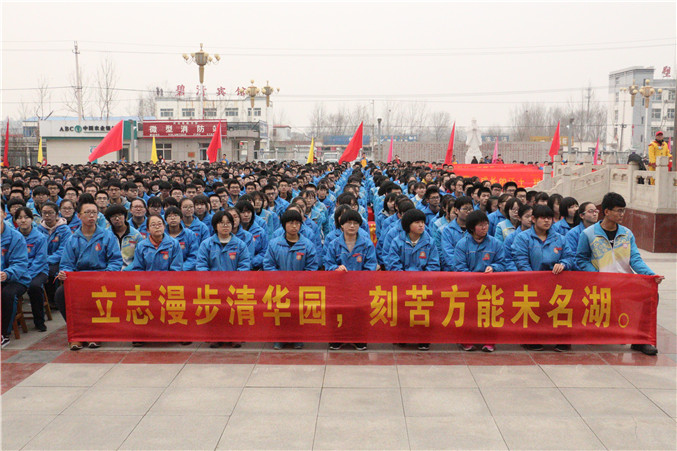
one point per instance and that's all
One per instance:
(218, 217)
(474, 218)
(461, 201)
(173, 211)
(290, 215)
(410, 217)
(350, 215)
(612, 200)
(543, 211)
(115, 209)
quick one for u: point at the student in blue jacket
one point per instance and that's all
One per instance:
(186, 238)
(90, 248)
(454, 231)
(478, 252)
(541, 249)
(413, 250)
(568, 211)
(13, 273)
(191, 222)
(588, 215)
(524, 215)
(249, 223)
(36, 244)
(223, 251)
(159, 251)
(350, 251)
(57, 232)
(291, 252)
(507, 226)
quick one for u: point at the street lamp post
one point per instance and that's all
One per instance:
(570, 127)
(647, 91)
(268, 91)
(380, 142)
(252, 91)
(201, 58)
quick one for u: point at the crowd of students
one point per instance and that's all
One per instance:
(290, 217)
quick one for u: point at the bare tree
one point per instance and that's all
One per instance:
(71, 97)
(440, 126)
(147, 103)
(106, 80)
(44, 100)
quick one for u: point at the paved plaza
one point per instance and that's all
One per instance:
(168, 396)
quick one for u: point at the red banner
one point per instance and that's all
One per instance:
(372, 307)
(182, 129)
(524, 175)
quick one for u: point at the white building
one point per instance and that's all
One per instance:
(626, 124)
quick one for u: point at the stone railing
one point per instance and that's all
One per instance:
(649, 191)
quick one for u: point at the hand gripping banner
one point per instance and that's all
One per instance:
(388, 307)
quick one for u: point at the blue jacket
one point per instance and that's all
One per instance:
(36, 244)
(532, 254)
(100, 253)
(299, 257)
(451, 235)
(503, 229)
(272, 222)
(198, 228)
(571, 244)
(280, 206)
(260, 240)
(507, 250)
(495, 218)
(14, 256)
(214, 256)
(562, 227)
(207, 220)
(402, 255)
(189, 247)
(430, 217)
(334, 234)
(167, 257)
(471, 256)
(595, 252)
(142, 228)
(57, 239)
(361, 258)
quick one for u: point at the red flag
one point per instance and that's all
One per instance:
(596, 160)
(353, 148)
(450, 149)
(494, 158)
(112, 142)
(5, 159)
(554, 147)
(215, 145)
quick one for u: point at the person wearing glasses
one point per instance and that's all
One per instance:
(90, 248)
(57, 231)
(607, 246)
(159, 251)
(588, 214)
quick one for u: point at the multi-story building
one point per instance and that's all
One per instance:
(626, 124)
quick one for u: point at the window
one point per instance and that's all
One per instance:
(615, 115)
(671, 96)
(166, 112)
(210, 112)
(658, 96)
(203, 150)
(257, 112)
(231, 112)
(164, 150)
(188, 112)
(655, 113)
(670, 114)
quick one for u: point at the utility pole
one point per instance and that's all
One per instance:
(78, 88)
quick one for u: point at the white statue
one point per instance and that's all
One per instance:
(474, 141)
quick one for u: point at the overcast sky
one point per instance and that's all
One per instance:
(469, 59)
